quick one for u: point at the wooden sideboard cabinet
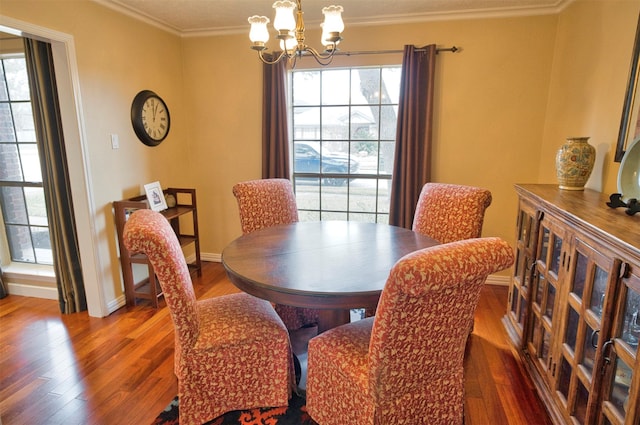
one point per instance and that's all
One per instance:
(148, 287)
(574, 304)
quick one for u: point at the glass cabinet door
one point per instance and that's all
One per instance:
(521, 282)
(589, 303)
(544, 292)
(621, 386)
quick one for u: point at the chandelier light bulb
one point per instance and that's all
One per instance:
(284, 20)
(259, 34)
(333, 19)
(288, 44)
(325, 38)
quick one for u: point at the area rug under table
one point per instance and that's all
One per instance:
(294, 414)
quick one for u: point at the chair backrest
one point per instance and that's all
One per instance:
(423, 319)
(449, 212)
(265, 203)
(150, 233)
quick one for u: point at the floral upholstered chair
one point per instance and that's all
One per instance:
(449, 212)
(266, 203)
(405, 365)
(231, 352)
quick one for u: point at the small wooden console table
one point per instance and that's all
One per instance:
(148, 288)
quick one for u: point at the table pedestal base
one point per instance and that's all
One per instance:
(328, 319)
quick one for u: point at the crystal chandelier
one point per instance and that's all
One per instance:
(291, 33)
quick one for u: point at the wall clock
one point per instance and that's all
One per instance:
(150, 118)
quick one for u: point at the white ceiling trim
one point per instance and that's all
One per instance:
(505, 12)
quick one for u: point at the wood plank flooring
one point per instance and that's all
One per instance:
(75, 369)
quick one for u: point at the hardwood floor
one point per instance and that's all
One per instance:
(75, 369)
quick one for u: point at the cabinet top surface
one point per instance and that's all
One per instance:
(588, 209)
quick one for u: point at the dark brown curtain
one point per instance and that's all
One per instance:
(412, 164)
(275, 137)
(55, 177)
(3, 289)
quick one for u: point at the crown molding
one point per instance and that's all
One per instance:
(506, 12)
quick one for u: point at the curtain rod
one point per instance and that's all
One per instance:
(452, 49)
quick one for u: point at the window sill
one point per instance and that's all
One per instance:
(37, 272)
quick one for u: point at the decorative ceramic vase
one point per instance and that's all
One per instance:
(574, 163)
(170, 200)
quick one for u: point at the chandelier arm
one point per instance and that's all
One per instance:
(272, 62)
(322, 59)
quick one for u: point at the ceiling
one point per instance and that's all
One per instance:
(202, 17)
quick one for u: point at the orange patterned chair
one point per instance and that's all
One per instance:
(405, 365)
(231, 352)
(449, 212)
(266, 203)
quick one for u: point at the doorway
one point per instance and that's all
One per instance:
(79, 171)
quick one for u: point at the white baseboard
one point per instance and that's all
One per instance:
(26, 290)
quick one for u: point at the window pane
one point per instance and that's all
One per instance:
(363, 122)
(20, 244)
(42, 245)
(10, 170)
(335, 87)
(366, 153)
(362, 196)
(384, 193)
(335, 123)
(17, 78)
(3, 86)
(366, 218)
(306, 157)
(388, 122)
(383, 218)
(30, 162)
(334, 198)
(391, 84)
(387, 152)
(36, 206)
(23, 122)
(330, 215)
(13, 205)
(306, 88)
(7, 133)
(307, 193)
(365, 87)
(306, 123)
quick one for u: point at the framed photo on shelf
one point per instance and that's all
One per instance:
(155, 196)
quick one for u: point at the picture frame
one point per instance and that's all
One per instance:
(155, 196)
(630, 122)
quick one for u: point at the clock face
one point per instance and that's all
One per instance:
(155, 118)
(150, 118)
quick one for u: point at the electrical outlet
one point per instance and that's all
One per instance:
(115, 141)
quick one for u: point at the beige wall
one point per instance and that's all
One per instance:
(116, 57)
(588, 82)
(504, 103)
(490, 105)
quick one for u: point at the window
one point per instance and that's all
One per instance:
(21, 193)
(343, 135)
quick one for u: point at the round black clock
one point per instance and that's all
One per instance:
(150, 118)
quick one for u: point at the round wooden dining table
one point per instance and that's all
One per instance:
(333, 266)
